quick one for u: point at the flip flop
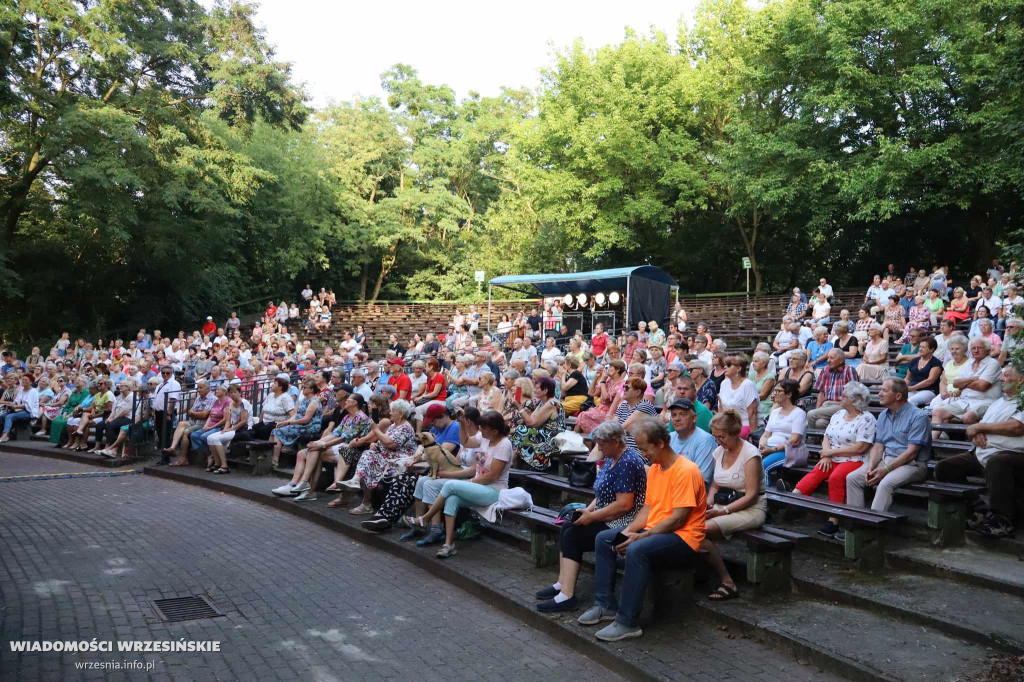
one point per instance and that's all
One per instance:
(724, 593)
(336, 502)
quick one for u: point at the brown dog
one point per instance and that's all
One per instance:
(439, 459)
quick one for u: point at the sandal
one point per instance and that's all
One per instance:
(337, 502)
(724, 593)
(414, 521)
(222, 470)
(212, 468)
(361, 510)
(333, 488)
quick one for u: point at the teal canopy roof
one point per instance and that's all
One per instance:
(587, 282)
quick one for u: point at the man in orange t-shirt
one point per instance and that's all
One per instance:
(666, 532)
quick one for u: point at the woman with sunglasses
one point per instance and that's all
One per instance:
(739, 393)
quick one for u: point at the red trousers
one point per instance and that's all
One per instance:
(836, 480)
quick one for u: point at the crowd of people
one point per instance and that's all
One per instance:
(687, 434)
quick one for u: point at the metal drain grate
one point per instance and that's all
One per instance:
(186, 608)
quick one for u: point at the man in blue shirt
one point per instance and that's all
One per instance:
(689, 441)
(903, 445)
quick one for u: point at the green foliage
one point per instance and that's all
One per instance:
(157, 162)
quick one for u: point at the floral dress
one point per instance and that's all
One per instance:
(536, 445)
(920, 317)
(350, 428)
(590, 419)
(894, 320)
(50, 410)
(378, 462)
(708, 394)
(290, 433)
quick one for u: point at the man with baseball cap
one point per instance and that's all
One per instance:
(399, 379)
(689, 441)
(210, 327)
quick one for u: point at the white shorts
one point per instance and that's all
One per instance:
(958, 407)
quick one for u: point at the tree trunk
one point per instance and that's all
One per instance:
(364, 275)
(15, 204)
(386, 263)
(750, 243)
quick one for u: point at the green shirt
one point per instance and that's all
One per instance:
(703, 419)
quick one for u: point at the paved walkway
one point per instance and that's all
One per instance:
(82, 557)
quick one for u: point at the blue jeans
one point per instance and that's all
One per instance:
(19, 416)
(466, 494)
(770, 463)
(198, 438)
(666, 550)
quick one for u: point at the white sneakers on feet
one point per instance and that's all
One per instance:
(284, 490)
(300, 488)
(351, 484)
(306, 496)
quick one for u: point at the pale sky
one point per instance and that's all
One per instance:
(339, 48)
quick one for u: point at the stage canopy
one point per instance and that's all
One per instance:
(646, 288)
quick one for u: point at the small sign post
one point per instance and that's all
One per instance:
(479, 277)
(746, 266)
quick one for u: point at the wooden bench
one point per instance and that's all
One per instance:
(865, 538)
(258, 453)
(771, 548)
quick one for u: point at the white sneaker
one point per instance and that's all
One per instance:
(283, 491)
(299, 488)
(306, 496)
(40, 433)
(351, 484)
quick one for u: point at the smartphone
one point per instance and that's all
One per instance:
(576, 515)
(619, 539)
(519, 394)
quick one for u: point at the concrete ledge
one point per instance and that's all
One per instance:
(624, 659)
(46, 449)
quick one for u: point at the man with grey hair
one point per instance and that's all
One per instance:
(903, 446)
(998, 454)
(359, 384)
(829, 385)
(974, 389)
(1010, 340)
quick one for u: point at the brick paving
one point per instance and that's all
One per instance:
(81, 558)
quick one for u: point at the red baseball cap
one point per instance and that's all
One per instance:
(397, 361)
(433, 412)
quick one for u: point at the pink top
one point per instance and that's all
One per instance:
(217, 411)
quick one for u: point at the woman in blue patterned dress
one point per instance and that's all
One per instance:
(533, 433)
(305, 423)
(619, 493)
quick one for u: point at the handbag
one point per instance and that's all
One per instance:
(582, 474)
(724, 496)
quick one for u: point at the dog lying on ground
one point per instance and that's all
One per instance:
(433, 453)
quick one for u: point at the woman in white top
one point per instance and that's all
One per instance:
(739, 393)
(25, 407)
(238, 420)
(783, 437)
(875, 365)
(277, 407)
(736, 498)
(550, 352)
(848, 437)
(820, 311)
(488, 477)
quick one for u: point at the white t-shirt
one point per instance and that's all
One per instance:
(843, 433)
(1003, 409)
(1009, 304)
(988, 370)
(735, 477)
(706, 356)
(784, 339)
(738, 399)
(821, 309)
(550, 354)
(485, 456)
(782, 426)
(276, 408)
(827, 290)
(883, 296)
(806, 334)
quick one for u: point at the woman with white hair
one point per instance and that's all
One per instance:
(875, 366)
(380, 460)
(986, 331)
(818, 348)
(456, 383)
(848, 437)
